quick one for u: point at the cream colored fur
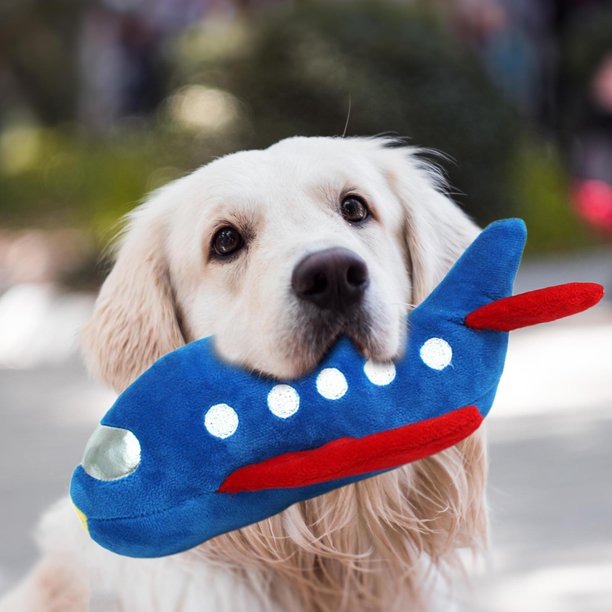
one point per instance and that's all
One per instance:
(380, 545)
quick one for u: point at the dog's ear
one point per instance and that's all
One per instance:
(435, 230)
(135, 320)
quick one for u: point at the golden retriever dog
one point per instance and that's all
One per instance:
(277, 252)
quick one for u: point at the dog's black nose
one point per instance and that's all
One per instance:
(332, 279)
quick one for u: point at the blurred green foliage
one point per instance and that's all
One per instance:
(589, 41)
(64, 177)
(542, 191)
(69, 178)
(293, 71)
(39, 47)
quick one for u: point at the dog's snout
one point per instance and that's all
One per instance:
(332, 279)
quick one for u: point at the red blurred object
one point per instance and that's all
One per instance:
(593, 199)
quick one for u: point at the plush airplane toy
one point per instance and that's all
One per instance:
(197, 447)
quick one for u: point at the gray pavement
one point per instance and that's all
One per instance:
(550, 446)
(47, 414)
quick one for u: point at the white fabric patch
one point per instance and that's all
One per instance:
(379, 374)
(283, 401)
(436, 353)
(331, 383)
(221, 421)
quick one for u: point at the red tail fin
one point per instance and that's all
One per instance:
(539, 306)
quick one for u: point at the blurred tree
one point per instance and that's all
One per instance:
(399, 67)
(39, 49)
(246, 82)
(588, 42)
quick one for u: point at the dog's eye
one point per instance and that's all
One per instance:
(354, 209)
(226, 241)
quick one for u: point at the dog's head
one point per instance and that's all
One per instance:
(277, 253)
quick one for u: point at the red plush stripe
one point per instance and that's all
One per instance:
(539, 306)
(352, 456)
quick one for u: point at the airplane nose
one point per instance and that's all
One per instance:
(111, 453)
(332, 279)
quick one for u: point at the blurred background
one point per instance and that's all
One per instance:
(103, 101)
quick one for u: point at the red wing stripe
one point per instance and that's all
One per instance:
(539, 306)
(353, 456)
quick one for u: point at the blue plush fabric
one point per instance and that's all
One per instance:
(170, 502)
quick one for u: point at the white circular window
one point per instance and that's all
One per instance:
(111, 453)
(221, 421)
(436, 353)
(379, 374)
(283, 401)
(331, 383)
